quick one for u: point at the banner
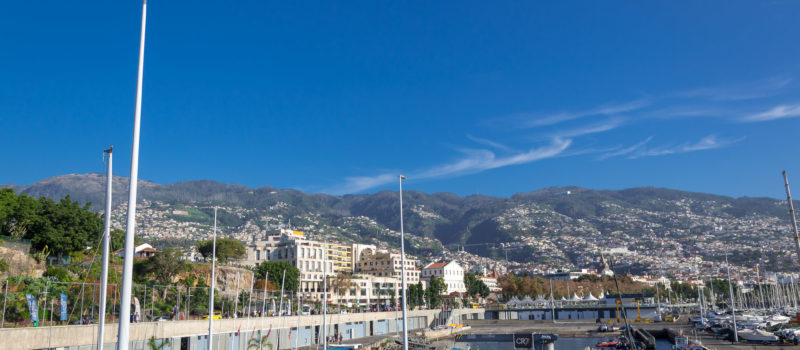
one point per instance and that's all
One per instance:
(32, 307)
(63, 307)
(137, 309)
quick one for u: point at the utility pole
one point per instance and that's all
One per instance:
(130, 232)
(101, 319)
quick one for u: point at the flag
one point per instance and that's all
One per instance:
(63, 307)
(33, 307)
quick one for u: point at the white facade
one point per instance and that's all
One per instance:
(451, 273)
(382, 263)
(490, 282)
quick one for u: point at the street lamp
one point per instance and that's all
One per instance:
(403, 265)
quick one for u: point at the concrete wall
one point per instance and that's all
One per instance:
(225, 338)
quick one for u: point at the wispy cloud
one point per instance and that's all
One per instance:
(751, 91)
(778, 112)
(603, 126)
(474, 161)
(490, 143)
(706, 143)
(627, 150)
(532, 120)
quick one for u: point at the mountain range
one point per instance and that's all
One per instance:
(472, 222)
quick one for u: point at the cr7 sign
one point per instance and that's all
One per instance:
(523, 341)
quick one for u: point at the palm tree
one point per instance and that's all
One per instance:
(153, 344)
(339, 284)
(259, 342)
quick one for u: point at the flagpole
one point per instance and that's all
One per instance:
(130, 232)
(106, 240)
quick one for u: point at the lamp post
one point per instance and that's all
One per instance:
(403, 265)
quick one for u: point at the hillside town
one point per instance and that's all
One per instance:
(692, 238)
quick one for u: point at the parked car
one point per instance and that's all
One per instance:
(217, 316)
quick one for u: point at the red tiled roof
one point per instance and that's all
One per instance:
(436, 265)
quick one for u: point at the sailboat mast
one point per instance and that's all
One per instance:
(733, 303)
(791, 213)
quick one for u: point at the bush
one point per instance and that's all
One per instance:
(59, 273)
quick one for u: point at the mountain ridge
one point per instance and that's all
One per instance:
(558, 225)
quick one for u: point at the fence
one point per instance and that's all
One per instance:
(150, 302)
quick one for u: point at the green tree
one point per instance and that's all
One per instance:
(434, 292)
(64, 227)
(275, 270)
(475, 286)
(118, 240)
(227, 248)
(163, 265)
(415, 295)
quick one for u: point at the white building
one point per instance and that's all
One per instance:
(143, 250)
(382, 263)
(450, 272)
(490, 282)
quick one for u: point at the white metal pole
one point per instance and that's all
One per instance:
(213, 282)
(403, 266)
(297, 336)
(5, 296)
(280, 307)
(236, 301)
(264, 301)
(250, 299)
(733, 304)
(130, 232)
(325, 295)
(101, 319)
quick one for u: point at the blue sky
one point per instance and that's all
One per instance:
(467, 97)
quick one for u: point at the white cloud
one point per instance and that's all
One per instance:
(627, 150)
(706, 143)
(361, 183)
(778, 112)
(532, 120)
(603, 126)
(475, 161)
(739, 92)
(490, 143)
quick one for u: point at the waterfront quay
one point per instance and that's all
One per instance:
(574, 312)
(231, 334)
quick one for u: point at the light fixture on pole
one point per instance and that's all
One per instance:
(130, 228)
(403, 265)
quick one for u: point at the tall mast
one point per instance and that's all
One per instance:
(130, 231)
(733, 303)
(106, 239)
(403, 267)
(791, 213)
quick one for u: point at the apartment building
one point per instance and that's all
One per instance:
(382, 263)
